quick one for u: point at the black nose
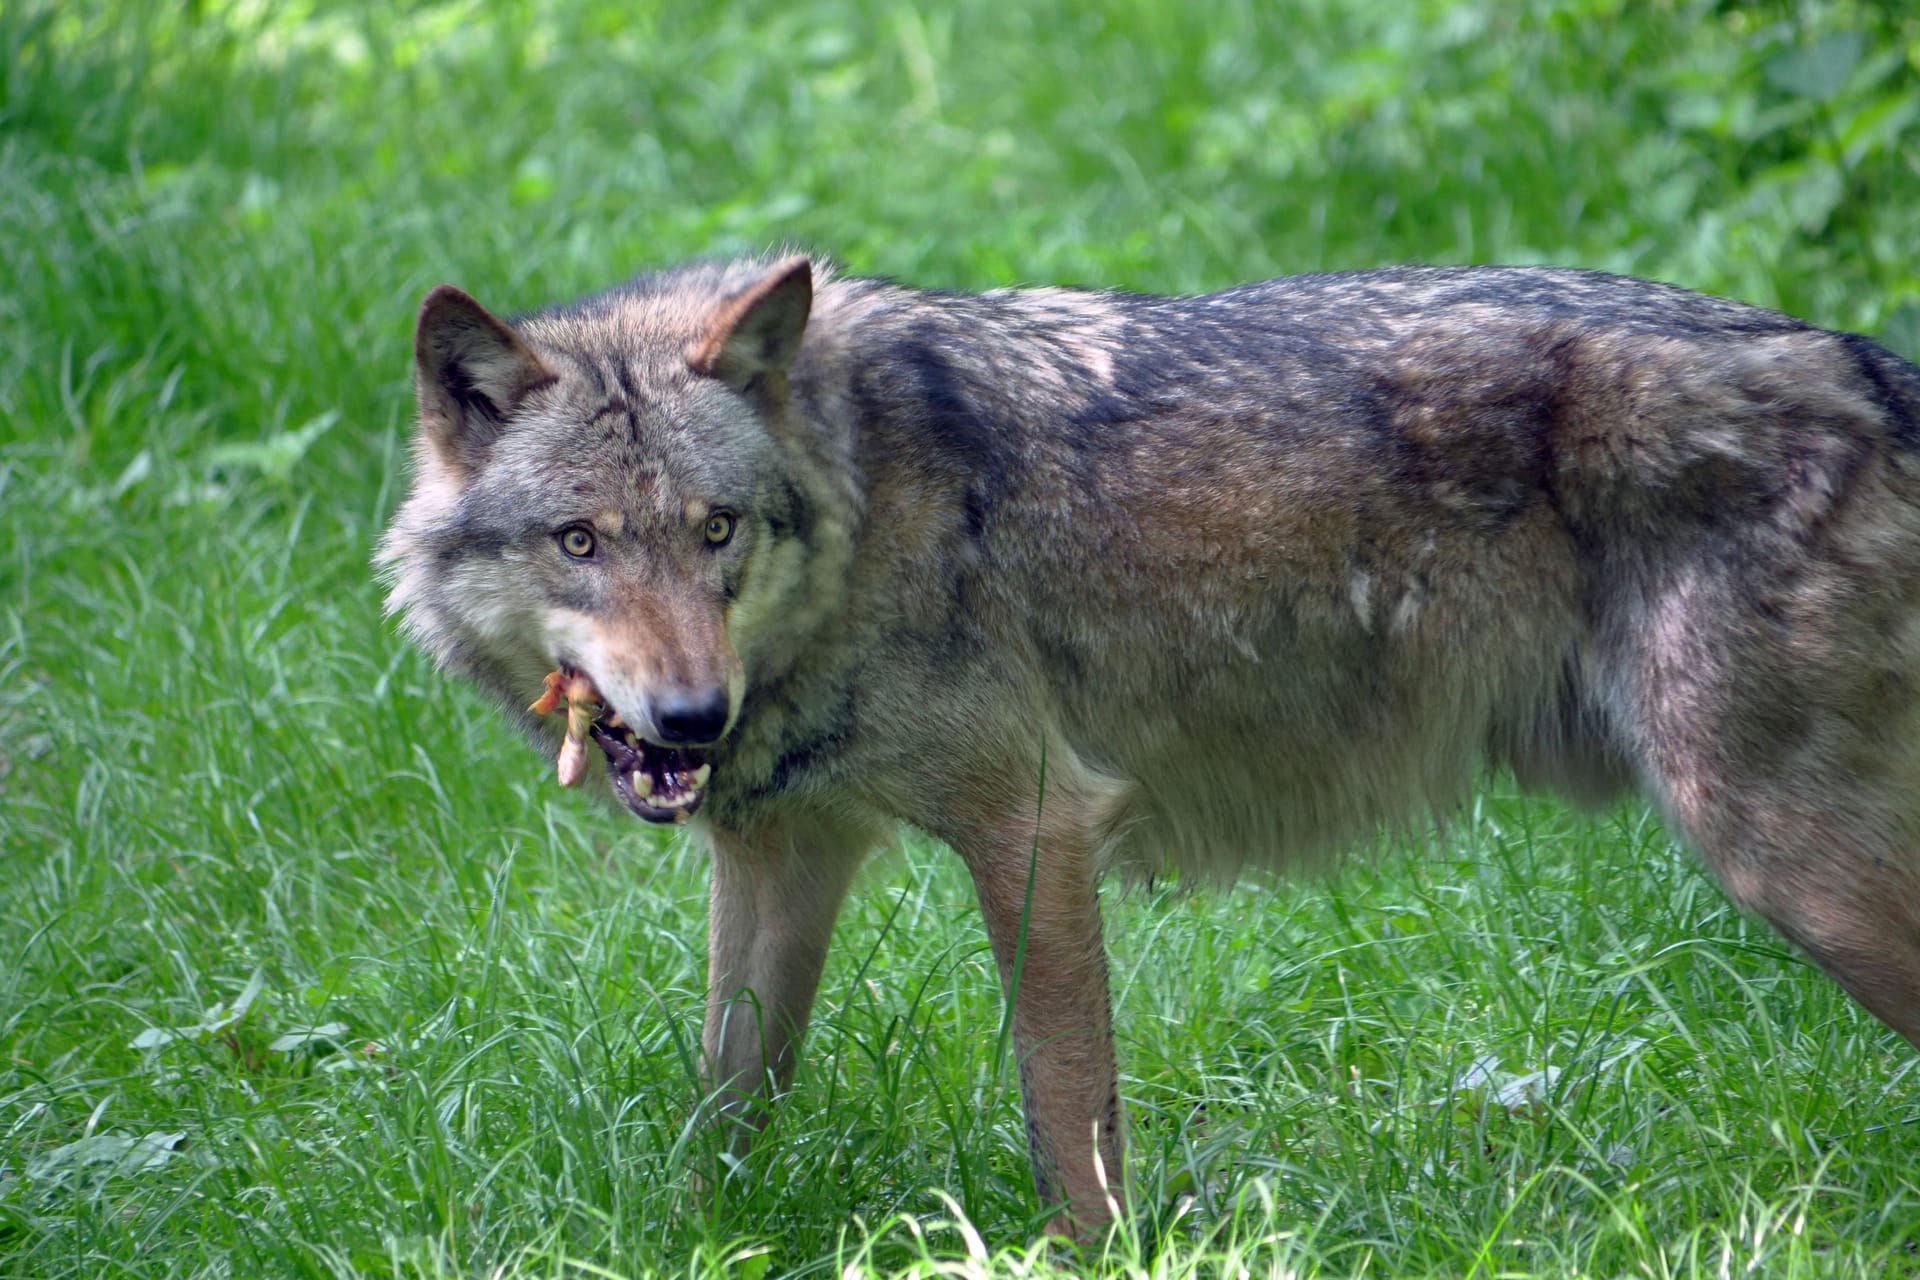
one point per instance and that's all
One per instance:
(687, 717)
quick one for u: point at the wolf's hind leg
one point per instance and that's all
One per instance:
(775, 895)
(1832, 871)
(1793, 766)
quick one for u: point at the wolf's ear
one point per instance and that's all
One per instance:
(470, 369)
(759, 331)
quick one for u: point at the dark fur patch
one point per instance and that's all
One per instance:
(615, 407)
(473, 534)
(1061, 654)
(823, 742)
(788, 513)
(977, 503)
(806, 746)
(475, 405)
(912, 378)
(1895, 385)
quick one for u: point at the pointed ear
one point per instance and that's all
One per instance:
(757, 332)
(470, 370)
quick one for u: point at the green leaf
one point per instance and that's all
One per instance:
(1820, 70)
(107, 1154)
(277, 455)
(1900, 331)
(1878, 127)
(1806, 191)
(212, 1023)
(324, 1035)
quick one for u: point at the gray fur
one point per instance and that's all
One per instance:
(1247, 576)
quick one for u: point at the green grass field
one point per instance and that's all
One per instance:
(307, 969)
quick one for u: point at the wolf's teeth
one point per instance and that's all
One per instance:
(701, 775)
(642, 783)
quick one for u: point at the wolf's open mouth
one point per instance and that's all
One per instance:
(660, 784)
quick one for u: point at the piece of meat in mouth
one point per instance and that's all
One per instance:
(660, 784)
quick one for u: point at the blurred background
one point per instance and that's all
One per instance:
(243, 190)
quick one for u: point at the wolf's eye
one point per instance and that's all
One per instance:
(577, 541)
(719, 528)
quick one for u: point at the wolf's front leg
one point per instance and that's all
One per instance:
(775, 894)
(1042, 909)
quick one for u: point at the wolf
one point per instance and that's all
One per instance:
(1082, 581)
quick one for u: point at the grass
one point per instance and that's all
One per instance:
(306, 970)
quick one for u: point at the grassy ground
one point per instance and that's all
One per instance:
(305, 968)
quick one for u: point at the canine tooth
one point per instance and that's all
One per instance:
(614, 721)
(701, 775)
(642, 783)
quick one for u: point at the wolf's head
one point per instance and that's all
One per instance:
(622, 488)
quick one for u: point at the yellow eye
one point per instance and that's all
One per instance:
(577, 541)
(719, 529)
